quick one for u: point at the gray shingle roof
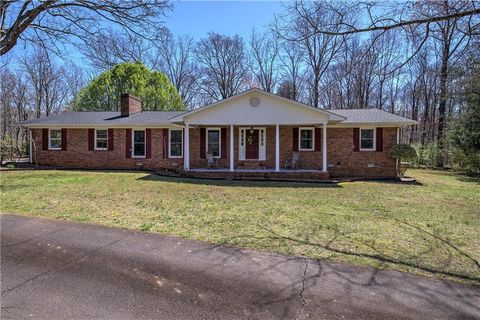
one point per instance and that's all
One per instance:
(370, 116)
(161, 118)
(108, 118)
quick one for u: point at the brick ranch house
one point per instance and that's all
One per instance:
(254, 133)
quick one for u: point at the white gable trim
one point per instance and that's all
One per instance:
(330, 115)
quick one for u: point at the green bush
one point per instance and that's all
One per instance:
(7, 147)
(403, 152)
(468, 162)
(426, 155)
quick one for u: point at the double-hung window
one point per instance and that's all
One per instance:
(306, 139)
(101, 139)
(138, 142)
(176, 146)
(55, 139)
(367, 139)
(213, 142)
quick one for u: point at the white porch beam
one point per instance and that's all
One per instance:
(277, 148)
(324, 148)
(186, 156)
(232, 149)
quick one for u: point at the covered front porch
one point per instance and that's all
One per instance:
(256, 133)
(256, 148)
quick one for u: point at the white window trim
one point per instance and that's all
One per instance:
(49, 139)
(219, 141)
(300, 138)
(133, 144)
(170, 143)
(95, 141)
(374, 140)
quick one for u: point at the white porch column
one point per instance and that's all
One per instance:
(232, 149)
(277, 148)
(324, 148)
(30, 149)
(186, 156)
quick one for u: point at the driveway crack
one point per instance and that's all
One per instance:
(304, 302)
(67, 263)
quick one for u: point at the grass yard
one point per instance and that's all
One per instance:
(430, 228)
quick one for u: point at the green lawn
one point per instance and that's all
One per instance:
(431, 227)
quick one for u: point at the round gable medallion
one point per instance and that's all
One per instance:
(254, 101)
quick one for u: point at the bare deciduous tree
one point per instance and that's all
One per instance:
(175, 57)
(264, 51)
(300, 22)
(52, 21)
(223, 65)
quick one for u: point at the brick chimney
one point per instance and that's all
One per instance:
(129, 104)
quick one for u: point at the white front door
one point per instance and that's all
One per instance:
(251, 137)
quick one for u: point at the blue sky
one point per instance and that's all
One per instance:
(197, 18)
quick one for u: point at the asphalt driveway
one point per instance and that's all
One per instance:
(61, 270)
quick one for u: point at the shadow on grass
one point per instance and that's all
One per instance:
(411, 261)
(457, 175)
(240, 183)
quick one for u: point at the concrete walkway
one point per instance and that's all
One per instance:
(61, 270)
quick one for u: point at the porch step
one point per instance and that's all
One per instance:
(262, 176)
(251, 165)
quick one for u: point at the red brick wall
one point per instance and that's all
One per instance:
(342, 160)
(195, 160)
(78, 156)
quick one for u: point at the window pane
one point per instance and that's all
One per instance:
(139, 149)
(213, 136)
(306, 144)
(55, 134)
(367, 134)
(176, 136)
(306, 139)
(367, 144)
(55, 143)
(306, 134)
(214, 149)
(176, 149)
(101, 144)
(139, 136)
(55, 139)
(102, 134)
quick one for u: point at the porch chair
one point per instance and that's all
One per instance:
(294, 162)
(211, 161)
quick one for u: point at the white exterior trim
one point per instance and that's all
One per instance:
(144, 142)
(300, 139)
(186, 146)
(30, 151)
(277, 148)
(95, 140)
(219, 140)
(232, 149)
(324, 148)
(262, 149)
(330, 115)
(49, 142)
(374, 148)
(170, 145)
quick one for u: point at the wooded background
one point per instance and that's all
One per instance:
(418, 59)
